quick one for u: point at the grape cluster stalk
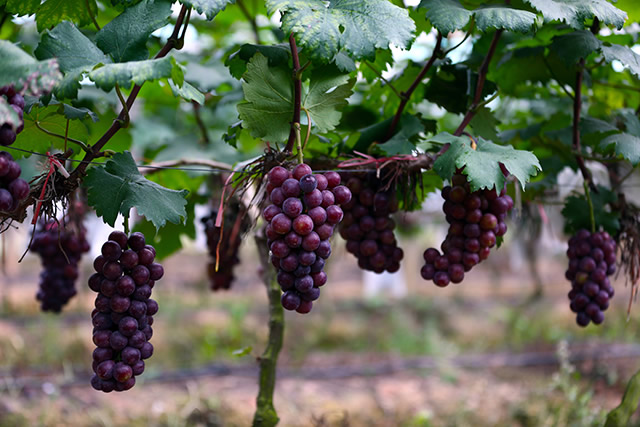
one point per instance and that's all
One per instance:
(476, 219)
(60, 250)
(16, 101)
(13, 189)
(367, 225)
(592, 257)
(123, 314)
(301, 218)
(236, 223)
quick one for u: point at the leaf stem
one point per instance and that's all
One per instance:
(200, 123)
(63, 137)
(299, 143)
(297, 93)
(125, 220)
(266, 415)
(469, 32)
(250, 18)
(125, 124)
(90, 12)
(482, 78)
(577, 108)
(617, 86)
(387, 82)
(407, 94)
(308, 135)
(553, 75)
(592, 218)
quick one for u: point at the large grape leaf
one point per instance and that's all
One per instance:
(328, 91)
(575, 12)
(75, 53)
(573, 46)
(625, 145)
(450, 15)
(324, 28)
(118, 186)
(127, 73)
(20, 7)
(125, 37)
(482, 165)
(52, 12)
(577, 213)
(624, 54)
(401, 142)
(267, 108)
(237, 62)
(16, 66)
(210, 8)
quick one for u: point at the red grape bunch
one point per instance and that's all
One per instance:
(16, 101)
(13, 189)
(592, 257)
(60, 250)
(367, 225)
(476, 219)
(301, 219)
(236, 223)
(123, 314)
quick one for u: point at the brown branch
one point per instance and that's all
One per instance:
(297, 91)
(577, 108)
(159, 166)
(172, 42)
(482, 78)
(407, 94)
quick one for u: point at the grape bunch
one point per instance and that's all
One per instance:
(592, 257)
(367, 225)
(301, 218)
(13, 189)
(60, 250)
(123, 314)
(476, 220)
(231, 240)
(16, 101)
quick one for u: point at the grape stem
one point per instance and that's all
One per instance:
(126, 224)
(250, 18)
(297, 93)
(592, 219)
(387, 82)
(84, 146)
(266, 415)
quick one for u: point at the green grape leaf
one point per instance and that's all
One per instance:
(75, 53)
(118, 186)
(573, 46)
(450, 15)
(625, 145)
(74, 113)
(328, 91)
(187, 92)
(576, 12)
(577, 215)
(482, 165)
(268, 92)
(268, 106)
(624, 54)
(168, 240)
(125, 37)
(209, 8)
(127, 73)
(484, 124)
(50, 119)
(409, 127)
(631, 122)
(52, 12)
(237, 62)
(17, 65)
(324, 28)
(21, 7)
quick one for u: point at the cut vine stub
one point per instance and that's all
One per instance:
(301, 218)
(476, 220)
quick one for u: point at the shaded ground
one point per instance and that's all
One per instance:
(352, 361)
